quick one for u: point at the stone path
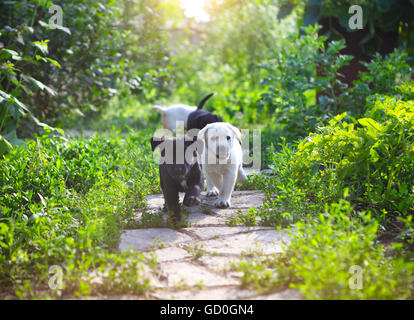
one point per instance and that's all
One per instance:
(195, 262)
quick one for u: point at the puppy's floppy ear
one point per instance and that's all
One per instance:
(199, 146)
(202, 136)
(202, 133)
(155, 142)
(236, 132)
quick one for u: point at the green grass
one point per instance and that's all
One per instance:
(326, 258)
(64, 203)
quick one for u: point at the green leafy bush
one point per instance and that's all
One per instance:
(16, 81)
(84, 50)
(325, 257)
(292, 84)
(383, 76)
(372, 156)
(54, 72)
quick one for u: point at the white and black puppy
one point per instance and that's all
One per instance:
(180, 113)
(171, 116)
(222, 160)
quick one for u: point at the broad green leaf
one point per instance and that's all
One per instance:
(55, 26)
(42, 46)
(13, 139)
(374, 155)
(40, 58)
(64, 29)
(369, 122)
(40, 124)
(4, 96)
(13, 100)
(58, 163)
(42, 86)
(6, 142)
(54, 62)
(20, 104)
(337, 118)
(14, 55)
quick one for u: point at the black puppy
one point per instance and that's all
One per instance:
(199, 118)
(179, 172)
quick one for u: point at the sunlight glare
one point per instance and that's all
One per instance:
(195, 9)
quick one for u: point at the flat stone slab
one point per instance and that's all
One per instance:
(153, 238)
(263, 241)
(171, 254)
(197, 216)
(220, 264)
(206, 233)
(222, 293)
(288, 294)
(198, 262)
(207, 214)
(187, 274)
(206, 220)
(239, 200)
(155, 200)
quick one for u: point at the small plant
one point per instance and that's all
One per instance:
(200, 284)
(257, 273)
(158, 244)
(249, 218)
(148, 219)
(196, 251)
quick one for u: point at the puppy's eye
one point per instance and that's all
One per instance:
(228, 137)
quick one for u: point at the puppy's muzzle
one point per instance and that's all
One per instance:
(222, 153)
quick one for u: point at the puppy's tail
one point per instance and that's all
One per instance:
(201, 104)
(158, 108)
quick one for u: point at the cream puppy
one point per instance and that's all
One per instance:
(222, 160)
(174, 115)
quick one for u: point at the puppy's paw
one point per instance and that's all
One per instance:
(222, 203)
(191, 201)
(213, 192)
